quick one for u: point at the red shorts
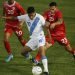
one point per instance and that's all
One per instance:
(16, 30)
(62, 40)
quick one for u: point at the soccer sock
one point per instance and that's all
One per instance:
(45, 63)
(7, 47)
(38, 57)
(27, 56)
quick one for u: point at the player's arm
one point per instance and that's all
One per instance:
(59, 20)
(46, 26)
(9, 18)
(20, 18)
(48, 33)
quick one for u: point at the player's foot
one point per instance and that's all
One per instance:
(9, 58)
(35, 62)
(45, 73)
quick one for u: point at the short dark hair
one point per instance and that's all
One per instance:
(53, 4)
(30, 10)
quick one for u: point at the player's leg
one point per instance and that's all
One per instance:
(26, 52)
(30, 45)
(70, 49)
(7, 34)
(38, 56)
(42, 52)
(19, 34)
(48, 44)
(64, 41)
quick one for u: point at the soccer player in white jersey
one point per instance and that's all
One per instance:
(35, 23)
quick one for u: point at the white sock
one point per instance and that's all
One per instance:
(45, 64)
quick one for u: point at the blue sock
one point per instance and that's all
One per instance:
(26, 55)
(44, 57)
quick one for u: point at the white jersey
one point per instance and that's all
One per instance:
(35, 26)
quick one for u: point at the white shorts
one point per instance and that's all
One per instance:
(35, 43)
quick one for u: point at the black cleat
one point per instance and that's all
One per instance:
(45, 73)
(35, 62)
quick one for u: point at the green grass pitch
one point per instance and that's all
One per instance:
(60, 61)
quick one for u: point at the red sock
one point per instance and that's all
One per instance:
(38, 57)
(7, 47)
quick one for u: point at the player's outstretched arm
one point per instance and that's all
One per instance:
(47, 24)
(58, 22)
(10, 18)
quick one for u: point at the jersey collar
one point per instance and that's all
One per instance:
(11, 4)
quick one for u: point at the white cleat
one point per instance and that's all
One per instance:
(9, 58)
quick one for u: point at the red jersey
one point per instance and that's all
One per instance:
(59, 29)
(12, 10)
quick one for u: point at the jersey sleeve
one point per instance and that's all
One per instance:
(21, 18)
(20, 9)
(45, 15)
(59, 14)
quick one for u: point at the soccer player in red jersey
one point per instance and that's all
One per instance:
(12, 8)
(56, 30)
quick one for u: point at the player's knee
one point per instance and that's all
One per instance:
(6, 40)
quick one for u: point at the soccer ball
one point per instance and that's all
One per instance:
(36, 70)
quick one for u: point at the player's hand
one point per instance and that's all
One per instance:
(52, 26)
